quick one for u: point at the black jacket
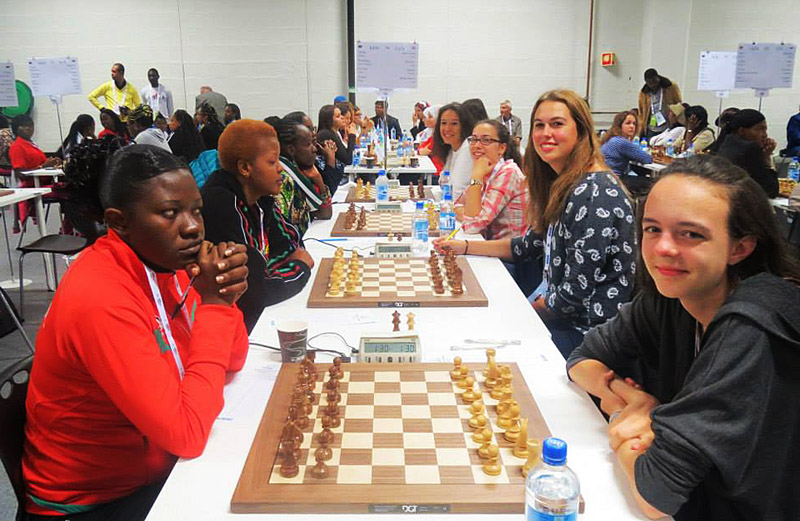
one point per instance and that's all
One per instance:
(748, 155)
(391, 123)
(272, 278)
(727, 435)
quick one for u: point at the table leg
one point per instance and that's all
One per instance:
(48, 262)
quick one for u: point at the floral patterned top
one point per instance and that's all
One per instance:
(590, 257)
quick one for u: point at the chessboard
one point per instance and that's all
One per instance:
(398, 282)
(403, 436)
(378, 224)
(396, 193)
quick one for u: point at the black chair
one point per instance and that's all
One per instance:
(13, 391)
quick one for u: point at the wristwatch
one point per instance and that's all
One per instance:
(473, 182)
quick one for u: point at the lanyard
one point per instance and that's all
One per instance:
(181, 296)
(660, 100)
(162, 313)
(548, 245)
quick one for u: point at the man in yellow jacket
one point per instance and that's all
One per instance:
(118, 95)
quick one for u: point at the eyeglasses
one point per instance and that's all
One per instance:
(484, 140)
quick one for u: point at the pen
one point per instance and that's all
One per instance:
(453, 233)
(333, 240)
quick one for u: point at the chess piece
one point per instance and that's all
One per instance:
(483, 450)
(334, 397)
(492, 466)
(410, 321)
(478, 422)
(480, 436)
(534, 453)
(333, 413)
(462, 380)
(492, 373)
(396, 320)
(350, 288)
(323, 452)
(326, 436)
(320, 470)
(289, 467)
(420, 189)
(390, 236)
(521, 444)
(504, 418)
(468, 396)
(339, 254)
(513, 430)
(455, 374)
(337, 364)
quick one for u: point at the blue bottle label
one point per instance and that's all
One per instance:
(447, 189)
(533, 515)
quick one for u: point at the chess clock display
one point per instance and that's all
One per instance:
(391, 249)
(400, 347)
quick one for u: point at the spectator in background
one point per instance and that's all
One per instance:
(143, 130)
(453, 127)
(723, 121)
(793, 137)
(677, 120)
(510, 121)
(391, 121)
(748, 146)
(331, 123)
(6, 140)
(656, 95)
(476, 107)
(184, 141)
(113, 126)
(119, 96)
(209, 125)
(698, 135)
(80, 130)
(157, 96)
(617, 144)
(214, 99)
(417, 121)
(232, 113)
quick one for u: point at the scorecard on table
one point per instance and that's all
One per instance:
(405, 437)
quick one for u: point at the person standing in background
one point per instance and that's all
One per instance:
(216, 100)
(657, 94)
(510, 121)
(157, 96)
(120, 96)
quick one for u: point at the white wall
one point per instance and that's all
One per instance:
(274, 56)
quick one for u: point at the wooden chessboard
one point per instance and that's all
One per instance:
(401, 282)
(378, 225)
(404, 441)
(396, 193)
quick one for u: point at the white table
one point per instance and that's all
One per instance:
(19, 195)
(201, 488)
(655, 168)
(42, 172)
(425, 167)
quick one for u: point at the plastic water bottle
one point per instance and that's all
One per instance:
(447, 215)
(636, 142)
(444, 184)
(393, 133)
(670, 148)
(643, 144)
(382, 187)
(420, 230)
(794, 169)
(552, 489)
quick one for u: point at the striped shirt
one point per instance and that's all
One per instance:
(504, 202)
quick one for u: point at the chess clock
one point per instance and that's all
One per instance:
(393, 249)
(395, 347)
(388, 206)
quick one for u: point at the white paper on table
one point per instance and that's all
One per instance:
(8, 85)
(243, 392)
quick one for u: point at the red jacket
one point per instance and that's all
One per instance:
(107, 411)
(24, 155)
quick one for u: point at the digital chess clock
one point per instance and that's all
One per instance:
(400, 347)
(393, 249)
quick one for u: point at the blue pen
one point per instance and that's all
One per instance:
(332, 240)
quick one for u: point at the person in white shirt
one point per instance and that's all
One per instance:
(677, 121)
(157, 96)
(142, 129)
(453, 127)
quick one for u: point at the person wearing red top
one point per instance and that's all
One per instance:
(25, 155)
(126, 378)
(112, 126)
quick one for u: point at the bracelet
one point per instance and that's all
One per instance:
(466, 247)
(614, 416)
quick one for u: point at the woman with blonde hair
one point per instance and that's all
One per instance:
(581, 221)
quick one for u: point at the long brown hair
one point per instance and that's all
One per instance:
(547, 189)
(616, 125)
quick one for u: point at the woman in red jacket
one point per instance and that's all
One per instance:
(131, 359)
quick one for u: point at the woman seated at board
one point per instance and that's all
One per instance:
(617, 144)
(131, 358)
(581, 221)
(698, 136)
(238, 206)
(453, 127)
(700, 374)
(496, 198)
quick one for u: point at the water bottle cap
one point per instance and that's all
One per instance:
(381, 172)
(447, 196)
(795, 158)
(420, 205)
(554, 451)
(446, 172)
